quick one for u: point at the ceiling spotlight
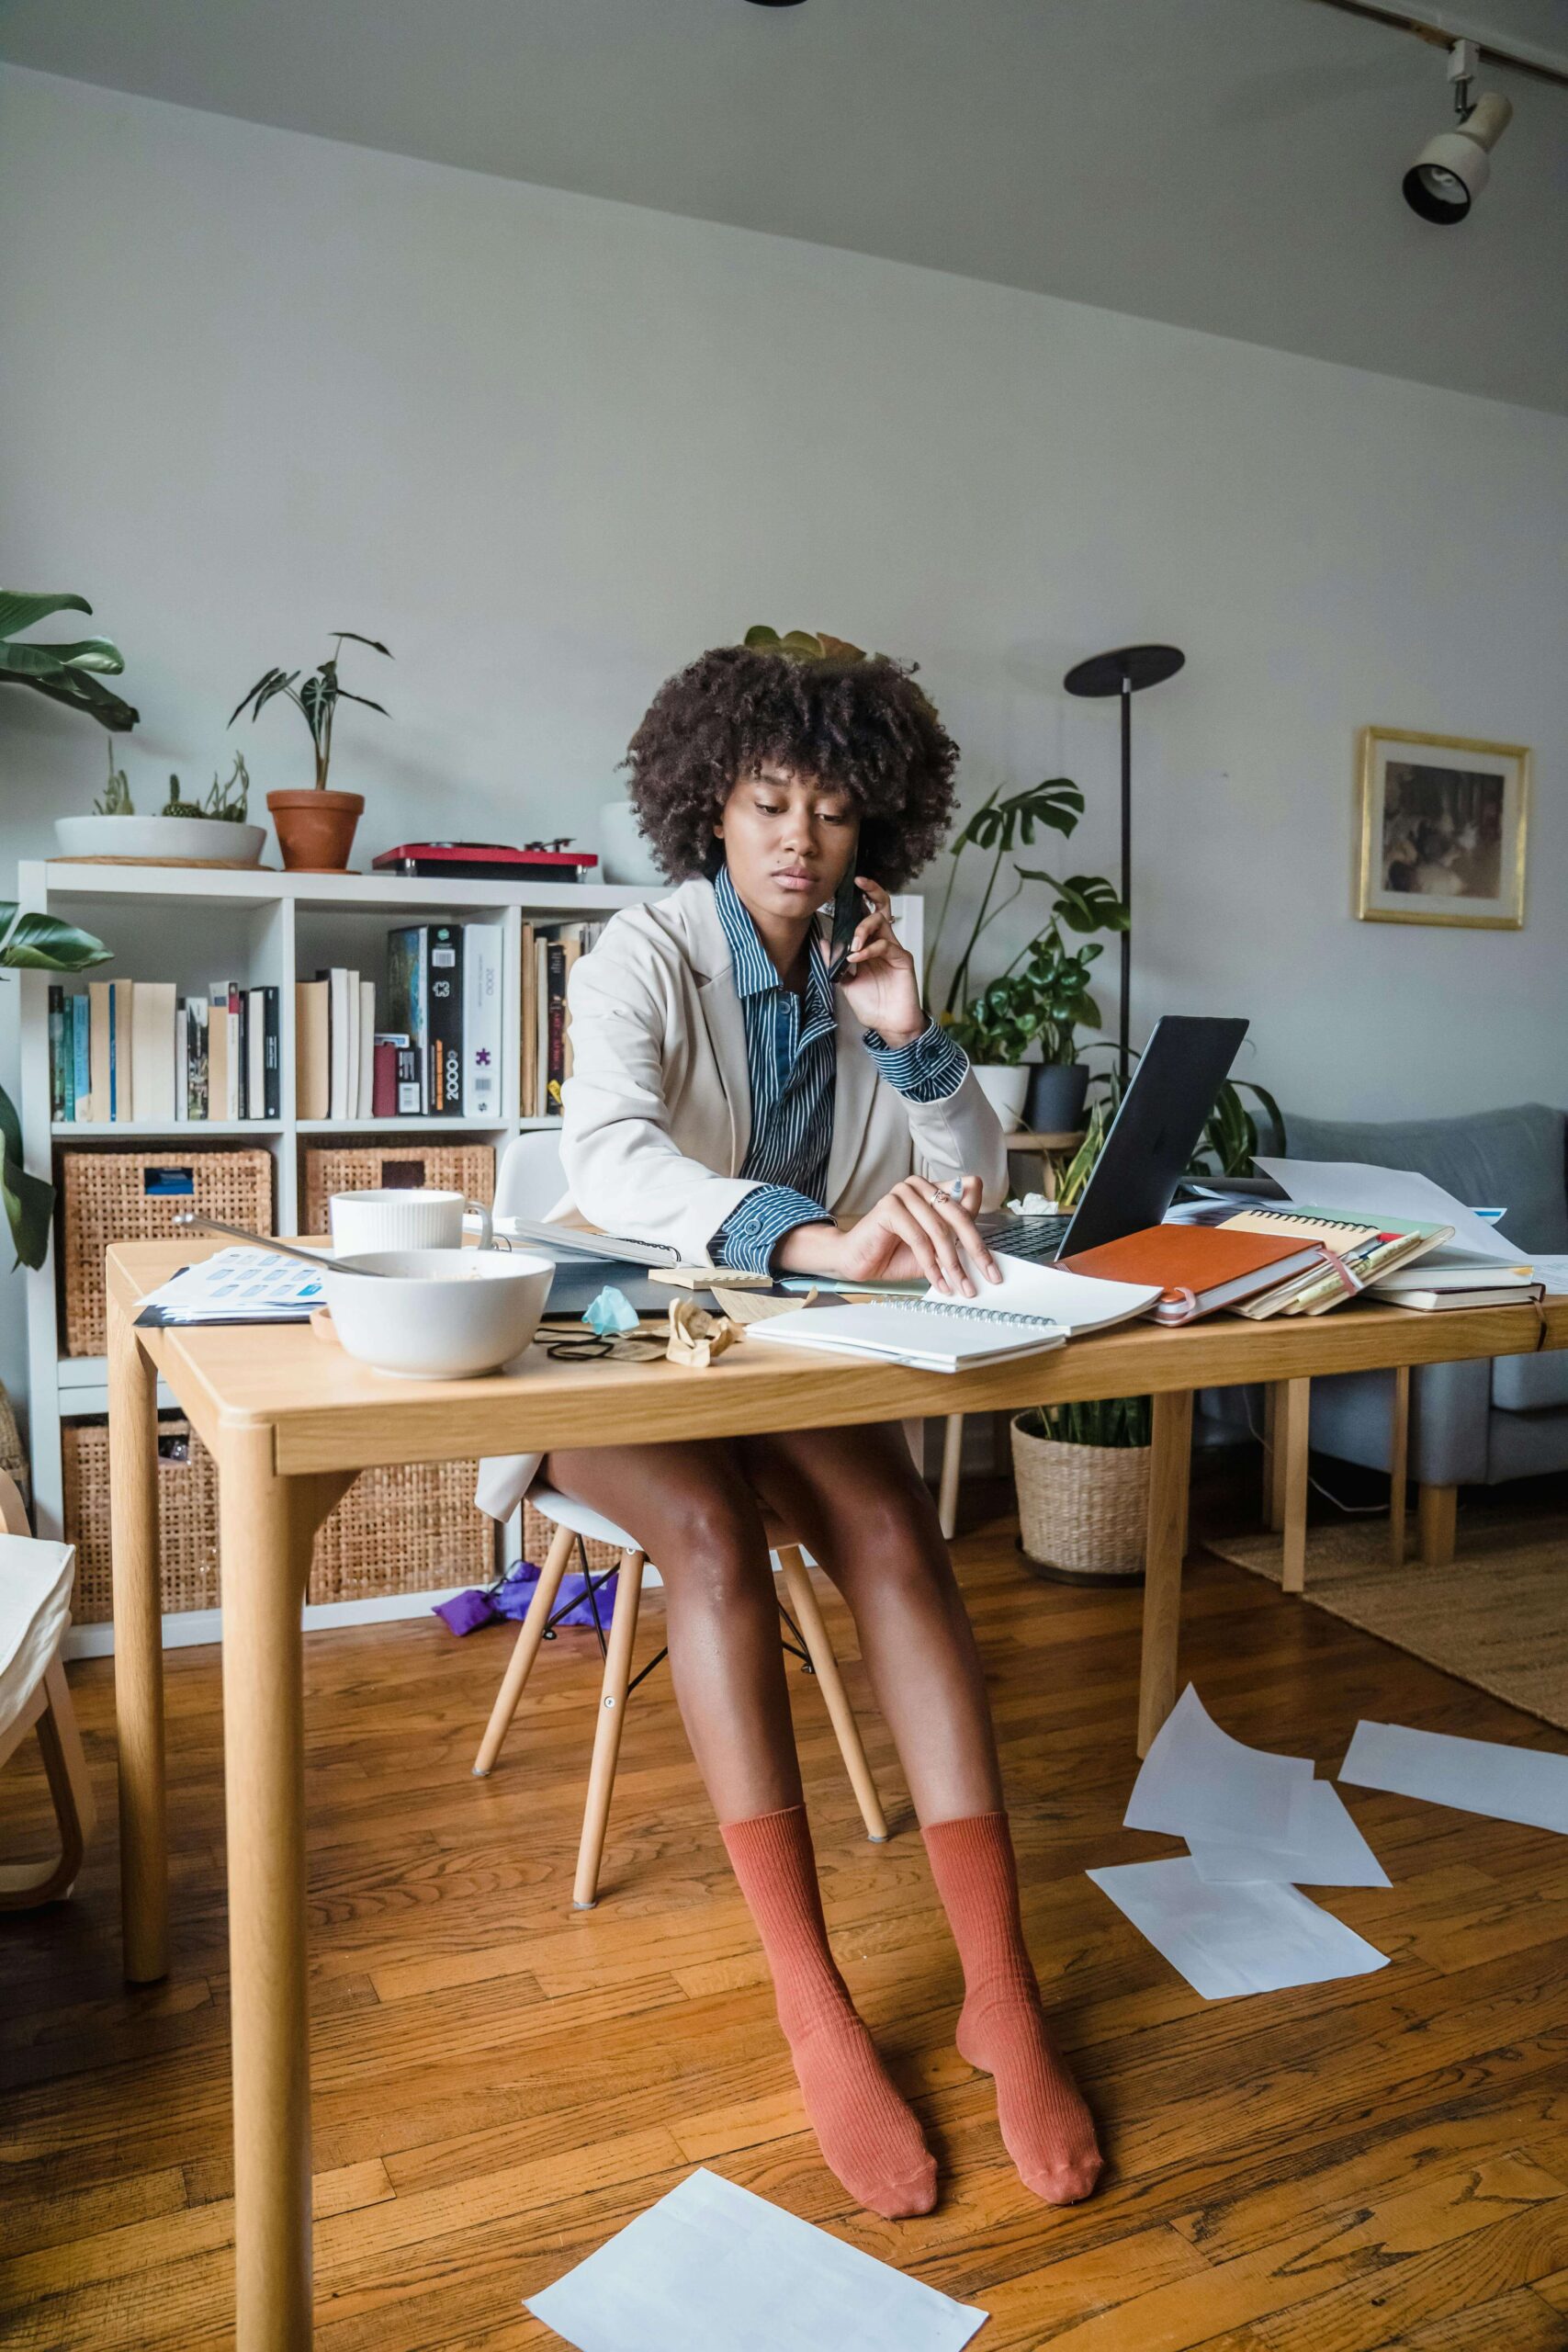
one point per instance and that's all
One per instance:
(1452, 169)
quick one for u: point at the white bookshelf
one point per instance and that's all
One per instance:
(195, 925)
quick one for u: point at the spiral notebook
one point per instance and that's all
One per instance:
(1030, 1309)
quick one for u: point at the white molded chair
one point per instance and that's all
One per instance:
(530, 1180)
(573, 1519)
(36, 1579)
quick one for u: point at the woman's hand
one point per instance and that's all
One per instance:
(879, 982)
(917, 1229)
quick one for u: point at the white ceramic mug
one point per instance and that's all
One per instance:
(405, 1220)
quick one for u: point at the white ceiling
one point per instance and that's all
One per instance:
(1227, 164)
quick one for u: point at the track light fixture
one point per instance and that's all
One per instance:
(1452, 169)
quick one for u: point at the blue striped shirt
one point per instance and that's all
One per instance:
(791, 1060)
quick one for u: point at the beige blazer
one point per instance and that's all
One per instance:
(657, 1113)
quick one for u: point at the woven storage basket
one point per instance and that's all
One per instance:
(466, 1168)
(112, 1196)
(187, 1517)
(12, 1460)
(412, 1528)
(539, 1533)
(1082, 1510)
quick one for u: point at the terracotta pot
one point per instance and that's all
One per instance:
(315, 830)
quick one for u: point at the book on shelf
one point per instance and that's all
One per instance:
(444, 1044)
(407, 992)
(550, 951)
(365, 1051)
(395, 1088)
(481, 1020)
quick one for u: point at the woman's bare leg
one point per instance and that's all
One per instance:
(689, 1507)
(853, 1497)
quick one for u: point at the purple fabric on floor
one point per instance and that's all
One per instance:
(465, 1611)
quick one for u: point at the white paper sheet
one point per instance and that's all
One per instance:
(711, 2267)
(1553, 1272)
(1333, 1851)
(1390, 1192)
(1196, 1780)
(1526, 1784)
(1231, 1939)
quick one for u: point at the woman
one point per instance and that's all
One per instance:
(726, 1095)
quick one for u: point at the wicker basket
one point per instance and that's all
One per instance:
(13, 1459)
(466, 1168)
(1082, 1510)
(539, 1533)
(187, 1517)
(412, 1528)
(115, 1195)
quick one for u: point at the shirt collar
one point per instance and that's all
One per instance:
(753, 966)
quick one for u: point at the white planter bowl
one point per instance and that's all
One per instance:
(1005, 1087)
(186, 841)
(444, 1313)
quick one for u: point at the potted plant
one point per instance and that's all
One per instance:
(36, 943)
(1082, 1471)
(1043, 1004)
(211, 832)
(315, 827)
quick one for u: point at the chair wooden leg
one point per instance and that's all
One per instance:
(24, 1885)
(1291, 1425)
(1398, 1464)
(951, 1464)
(814, 1634)
(607, 1737)
(1437, 1509)
(530, 1633)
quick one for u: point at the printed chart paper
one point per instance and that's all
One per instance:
(1391, 1193)
(1527, 1784)
(1333, 1851)
(712, 2268)
(1231, 1939)
(1197, 1782)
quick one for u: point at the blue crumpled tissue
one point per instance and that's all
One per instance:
(609, 1313)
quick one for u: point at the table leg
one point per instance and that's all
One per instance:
(1274, 1457)
(1170, 1465)
(266, 1525)
(1398, 1462)
(1291, 1428)
(138, 1651)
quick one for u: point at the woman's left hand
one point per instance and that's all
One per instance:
(879, 981)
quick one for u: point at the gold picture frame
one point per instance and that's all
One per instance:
(1440, 841)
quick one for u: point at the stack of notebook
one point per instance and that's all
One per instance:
(1198, 1269)
(1358, 1251)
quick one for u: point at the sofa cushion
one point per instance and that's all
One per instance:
(1530, 1384)
(1511, 1160)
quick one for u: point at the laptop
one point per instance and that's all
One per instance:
(1152, 1140)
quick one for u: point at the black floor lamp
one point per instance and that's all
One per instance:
(1124, 672)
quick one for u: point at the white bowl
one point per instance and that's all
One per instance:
(204, 841)
(437, 1314)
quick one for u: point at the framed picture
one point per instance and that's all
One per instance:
(1441, 836)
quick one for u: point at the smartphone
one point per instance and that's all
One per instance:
(849, 907)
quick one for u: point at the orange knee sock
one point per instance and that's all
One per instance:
(868, 2134)
(1046, 2129)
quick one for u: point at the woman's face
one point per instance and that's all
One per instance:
(788, 841)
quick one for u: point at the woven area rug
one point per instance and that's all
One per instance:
(1497, 1618)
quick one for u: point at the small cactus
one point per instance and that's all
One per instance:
(116, 801)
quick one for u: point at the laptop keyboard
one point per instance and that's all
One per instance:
(1038, 1238)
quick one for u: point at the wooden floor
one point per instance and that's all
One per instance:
(500, 2083)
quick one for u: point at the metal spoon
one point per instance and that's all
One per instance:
(193, 1220)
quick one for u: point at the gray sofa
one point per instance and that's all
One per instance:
(1471, 1424)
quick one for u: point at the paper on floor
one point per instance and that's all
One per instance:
(1390, 1192)
(1197, 1782)
(1332, 1853)
(1231, 1939)
(1526, 1784)
(712, 2268)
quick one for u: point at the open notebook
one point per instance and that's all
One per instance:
(1030, 1309)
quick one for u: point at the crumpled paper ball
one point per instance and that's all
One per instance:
(609, 1313)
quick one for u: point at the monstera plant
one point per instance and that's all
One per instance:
(37, 944)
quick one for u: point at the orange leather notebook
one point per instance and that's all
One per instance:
(1197, 1267)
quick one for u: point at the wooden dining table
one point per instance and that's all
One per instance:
(290, 1419)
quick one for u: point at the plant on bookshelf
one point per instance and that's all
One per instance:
(68, 673)
(315, 828)
(35, 942)
(210, 831)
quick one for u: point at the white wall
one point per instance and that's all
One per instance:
(256, 386)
